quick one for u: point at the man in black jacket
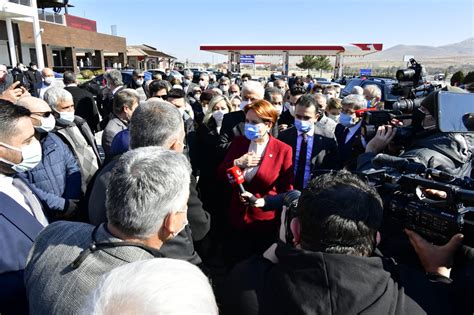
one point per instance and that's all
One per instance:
(84, 103)
(314, 146)
(330, 265)
(158, 123)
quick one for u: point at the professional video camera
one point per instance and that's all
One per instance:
(454, 114)
(403, 190)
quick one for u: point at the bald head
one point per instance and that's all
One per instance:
(34, 104)
(47, 72)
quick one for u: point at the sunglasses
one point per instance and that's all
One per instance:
(163, 97)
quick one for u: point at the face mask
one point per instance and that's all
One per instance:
(34, 68)
(167, 73)
(333, 117)
(243, 104)
(47, 124)
(48, 80)
(186, 222)
(197, 96)
(65, 118)
(224, 88)
(252, 132)
(346, 120)
(278, 108)
(233, 94)
(186, 81)
(303, 125)
(202, 83)
(219, 114)
(31, 156)
(139, 82)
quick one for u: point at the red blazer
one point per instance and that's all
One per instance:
(274, 176)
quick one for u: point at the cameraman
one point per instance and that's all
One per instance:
(333, 267)
(448, 152)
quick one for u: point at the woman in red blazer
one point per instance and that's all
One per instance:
(267, 166)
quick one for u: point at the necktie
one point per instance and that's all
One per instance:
(31, 200)
(300, 170)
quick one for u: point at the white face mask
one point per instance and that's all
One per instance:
(48, 80)
(186, 81)
(219, 114)
(31, 156)
(139, 82)
(186, 222)
(224, 88)
(333, 117)
(279, 108)
(47, 124)
(65, 118)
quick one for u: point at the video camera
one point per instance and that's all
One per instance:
(403, 191)
(455, 113)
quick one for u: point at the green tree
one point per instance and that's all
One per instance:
(308, 63)
(457, 78)
(469, 78)
(322, 63)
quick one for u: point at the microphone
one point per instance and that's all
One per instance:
(236, 178)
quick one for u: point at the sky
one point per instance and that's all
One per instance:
(179, 27)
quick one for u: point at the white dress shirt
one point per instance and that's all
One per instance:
(6, 187)
(352, 131)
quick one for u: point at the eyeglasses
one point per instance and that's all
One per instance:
(43, 114)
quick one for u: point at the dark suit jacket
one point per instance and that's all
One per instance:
(85, 106)
(286, 119)
(349, 151)
(325, 153)
(274, 176)
(18, 231)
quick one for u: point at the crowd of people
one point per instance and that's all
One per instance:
(180, 209)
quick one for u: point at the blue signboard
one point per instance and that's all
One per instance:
(248, 59)
(365, 72)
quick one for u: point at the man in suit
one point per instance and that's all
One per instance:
(125, 102)
(105, 99)
(84, 103)
(21, 213)
(348, 131)
(177, 98)
(34, 79)
(314, 147)
(287, 118)
(146, 207)
(233, 123)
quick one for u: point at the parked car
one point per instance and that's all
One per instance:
(385, 85)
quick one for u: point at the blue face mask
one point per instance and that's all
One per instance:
(252, 132)
(345, 120)
(303, 125)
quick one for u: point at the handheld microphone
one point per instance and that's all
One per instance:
(236, 178)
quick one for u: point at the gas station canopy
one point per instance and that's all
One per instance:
(339, 51)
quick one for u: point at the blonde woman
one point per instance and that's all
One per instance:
(208, 159)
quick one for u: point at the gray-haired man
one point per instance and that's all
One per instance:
(146, 206)
(75, 132)
(157, 123)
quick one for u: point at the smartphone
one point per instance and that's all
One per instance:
(18, 77)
